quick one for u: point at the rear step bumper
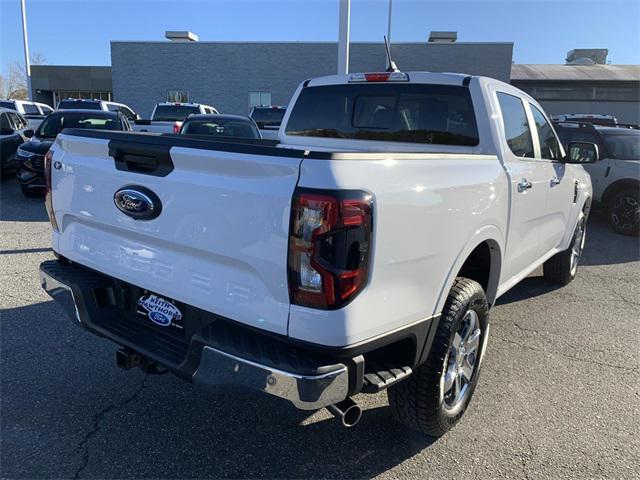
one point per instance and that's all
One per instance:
(219, 353)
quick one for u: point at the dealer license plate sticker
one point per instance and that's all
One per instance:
(160, 311)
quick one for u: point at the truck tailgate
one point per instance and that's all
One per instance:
(220, 241)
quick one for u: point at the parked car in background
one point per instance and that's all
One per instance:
(14, 131)
(30, 155)
(616, 175)
(593, 118)
(221, 126)
(167, 117)
(34, 112)
(88, 104)
(360, 254)
(268, 119)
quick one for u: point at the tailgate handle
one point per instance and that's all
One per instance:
(142, 158)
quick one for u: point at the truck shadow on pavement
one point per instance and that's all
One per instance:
(115, 424)
(605, 247)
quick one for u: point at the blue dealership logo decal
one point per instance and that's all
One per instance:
(160, 311)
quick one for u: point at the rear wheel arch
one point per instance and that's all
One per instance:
(619, 186)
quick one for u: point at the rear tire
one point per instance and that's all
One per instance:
(623, 212)
(563, 266)
(434, 398)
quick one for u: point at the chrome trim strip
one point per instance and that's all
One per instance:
(306, 392)
(61, 293)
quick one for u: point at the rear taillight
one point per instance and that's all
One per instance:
(48, 201)
(176, 127)
(329, 246)
(379, 77)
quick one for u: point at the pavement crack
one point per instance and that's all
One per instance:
(524, 329)
(524, 459)
(83, 446)
(565, 355)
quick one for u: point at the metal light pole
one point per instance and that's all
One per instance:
(26, 49)
(389, 29)
(343, 37)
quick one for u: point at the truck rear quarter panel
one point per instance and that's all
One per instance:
(429, 209)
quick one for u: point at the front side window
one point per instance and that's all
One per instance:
(549, 146)
(390, 112)
(516, 125)
(4, 122)
(45, 109)
(17, 121)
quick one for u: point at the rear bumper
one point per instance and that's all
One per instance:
(218, 352)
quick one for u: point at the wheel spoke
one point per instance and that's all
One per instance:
(467, 371)
(458, 387)
(457, 342)
(470, 324)
(449, 378)
(473, 341)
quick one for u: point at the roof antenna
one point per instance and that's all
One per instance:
(391, 64)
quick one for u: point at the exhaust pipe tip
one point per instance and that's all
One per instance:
(348, 411)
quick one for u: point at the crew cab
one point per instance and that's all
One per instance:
(616, 175)
(167, 117)
(359, 252)
(33, 111)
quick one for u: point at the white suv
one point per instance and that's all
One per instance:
(33, 111)
(88, 104)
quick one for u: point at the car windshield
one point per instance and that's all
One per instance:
(268, 117)
(221, 128)
(390, 112)
(173, 113)
(623, 145)
(78, 104)
(54, 123)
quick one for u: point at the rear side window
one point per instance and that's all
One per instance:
(173, 113)
(45, 109)
(516, 126)
(391, 112)
(30, 109)
(9, 105)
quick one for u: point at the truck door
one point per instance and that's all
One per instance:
(528, 187)
(560, 183)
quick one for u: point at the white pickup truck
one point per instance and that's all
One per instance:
(167, 117)
(360, 253)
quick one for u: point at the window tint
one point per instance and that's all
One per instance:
(516, 126)
(112, 107)
(18, 122)
(71, 104)
(624, 145)
(173, 113)
(9, 105)
(391, 112)
(45, 109)
(128, 113)
(221, 128)
(55, 123)
(549, 146)
(4, 122)
(269, 117)
(30, 109)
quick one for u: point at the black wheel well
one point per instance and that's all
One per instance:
(618, 186)
(478, 266)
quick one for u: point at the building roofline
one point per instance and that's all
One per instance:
(287, 42)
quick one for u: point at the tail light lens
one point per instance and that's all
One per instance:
(48, 201)
(176, 127)
(329, 246)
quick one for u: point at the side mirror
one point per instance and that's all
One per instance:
(29, 133)
(582, 152)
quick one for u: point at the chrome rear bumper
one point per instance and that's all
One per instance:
(306, 392)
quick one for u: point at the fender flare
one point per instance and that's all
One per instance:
(490, 234)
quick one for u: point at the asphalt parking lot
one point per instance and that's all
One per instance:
(559, 395)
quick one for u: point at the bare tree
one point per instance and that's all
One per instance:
(14, 85)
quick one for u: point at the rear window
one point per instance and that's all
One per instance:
(268, 117)
(173, 113)
(55, 123)
(30, 109)
(78, 104)
(223, 128)
(9, 105)
(420, 113)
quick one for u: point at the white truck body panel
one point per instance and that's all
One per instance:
(221, 241)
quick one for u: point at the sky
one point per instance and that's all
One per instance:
(78, 32)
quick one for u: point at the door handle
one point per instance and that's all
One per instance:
(555, 181)
(524, 185)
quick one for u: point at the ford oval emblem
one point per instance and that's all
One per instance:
(139, 203)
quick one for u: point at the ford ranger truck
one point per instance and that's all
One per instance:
(361, 253)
